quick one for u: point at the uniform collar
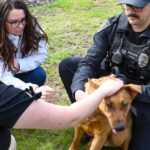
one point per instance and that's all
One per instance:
(147, 32)
(125, 26)
(123, 23)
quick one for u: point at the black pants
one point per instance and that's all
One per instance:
(5, 137)
(141, 124)
(141, 127)
(67, 69)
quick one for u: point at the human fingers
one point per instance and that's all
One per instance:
(44, 89)
(113, 75)
(15, 67)
(111, 86)
(48, 95)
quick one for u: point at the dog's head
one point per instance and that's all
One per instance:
(117, 106)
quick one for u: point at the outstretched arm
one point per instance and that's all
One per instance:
(44, 115)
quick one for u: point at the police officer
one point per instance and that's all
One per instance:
(122, 47)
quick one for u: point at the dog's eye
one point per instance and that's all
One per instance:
(124, 105)
(110, 106)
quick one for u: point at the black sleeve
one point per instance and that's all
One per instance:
(13, 103)
(89, 65)
(145, 95)
(5, 137)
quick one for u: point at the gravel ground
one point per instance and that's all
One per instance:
(32, 3)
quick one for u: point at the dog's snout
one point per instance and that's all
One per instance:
(119, 127)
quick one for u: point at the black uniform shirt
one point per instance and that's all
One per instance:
(103, 39)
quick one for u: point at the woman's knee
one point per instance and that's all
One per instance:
(40, 76)
(42, 73)
(37, 76)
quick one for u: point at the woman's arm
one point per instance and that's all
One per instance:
(7, 77)
(34, 60)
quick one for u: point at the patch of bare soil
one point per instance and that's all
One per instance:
(32, 3)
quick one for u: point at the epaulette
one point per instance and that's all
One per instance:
(108, 22)
(104, 25)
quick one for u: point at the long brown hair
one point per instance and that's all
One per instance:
(31, 36)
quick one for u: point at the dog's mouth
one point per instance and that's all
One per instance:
(116, 132)
(118, 129)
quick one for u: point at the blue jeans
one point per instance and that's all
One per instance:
(36, 76)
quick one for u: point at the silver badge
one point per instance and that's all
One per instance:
(143, 60)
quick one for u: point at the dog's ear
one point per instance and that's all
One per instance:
(133, 89)
(90, 86)
(93, 84)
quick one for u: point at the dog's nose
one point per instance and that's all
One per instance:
(119, 127)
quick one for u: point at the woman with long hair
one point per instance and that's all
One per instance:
(22, 46)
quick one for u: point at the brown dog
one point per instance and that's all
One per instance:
(111, 123)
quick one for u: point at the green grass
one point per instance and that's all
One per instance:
(70, 25)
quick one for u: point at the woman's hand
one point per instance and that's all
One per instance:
(48, 93)
(15, 67)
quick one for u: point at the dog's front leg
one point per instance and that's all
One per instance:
(79, 132)
(125, 145)
(98, 142)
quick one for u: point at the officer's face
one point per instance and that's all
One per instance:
(139, 20)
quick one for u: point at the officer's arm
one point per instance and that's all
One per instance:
(145, 95)
(89, 65)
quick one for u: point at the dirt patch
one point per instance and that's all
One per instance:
(32, 3)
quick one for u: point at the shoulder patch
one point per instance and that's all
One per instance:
(104, 25)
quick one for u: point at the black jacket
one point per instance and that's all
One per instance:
(89, 67)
